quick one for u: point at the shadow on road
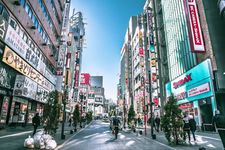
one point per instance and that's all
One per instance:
(110, 140)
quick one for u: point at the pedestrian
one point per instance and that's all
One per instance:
(116, 124)
(192, 123)
(186, 127)
(215, 118)
(70, 121)
(219, 123)
(157, 122)
(36, 122)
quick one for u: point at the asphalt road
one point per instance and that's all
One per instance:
(98, 136)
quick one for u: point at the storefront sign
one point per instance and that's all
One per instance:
(61, 56)
(42, 94)
(7, 76)
(16, 62)
(14, 40)
(24, 86)
(181, 95)
(199, 90)
(196, 38)
(66, 15)
(50, 76)
(185, 106)
(192, 85)
(3, 27)
(182, 81)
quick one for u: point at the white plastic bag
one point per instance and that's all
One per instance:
(29, 142)
(50, 145)
(37, 138)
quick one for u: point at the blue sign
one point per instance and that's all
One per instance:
(194, 84)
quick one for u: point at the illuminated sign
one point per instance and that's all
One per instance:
(85, 78)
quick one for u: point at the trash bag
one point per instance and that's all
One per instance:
(50, 145)
(29, 142)
(47, 137)
(38, 139)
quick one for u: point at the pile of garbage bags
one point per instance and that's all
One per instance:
(41, 141)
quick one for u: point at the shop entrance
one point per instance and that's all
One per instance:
(206, 113)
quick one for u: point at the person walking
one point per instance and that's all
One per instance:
(116, 124)
(192, 124)
(36, 122)
(157, 122)
(219, 123)
(186, 127)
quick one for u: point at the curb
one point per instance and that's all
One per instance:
(66, 141)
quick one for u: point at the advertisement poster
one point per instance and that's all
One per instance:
(5, 106)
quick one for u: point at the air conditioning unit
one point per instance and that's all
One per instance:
(17, 2)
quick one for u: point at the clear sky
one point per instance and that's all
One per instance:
(107, 22)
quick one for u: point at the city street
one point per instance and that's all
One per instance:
(98, 136)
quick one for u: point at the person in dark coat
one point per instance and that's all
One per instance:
(36, 122)
(157, 122)
(192, 124)
(219, 123)
(186, 127)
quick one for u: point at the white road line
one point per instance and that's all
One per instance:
(17, 134)
(60, 146)
(160, 143)
(207, 137)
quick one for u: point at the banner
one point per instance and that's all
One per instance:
(16, 62)
(25, 87)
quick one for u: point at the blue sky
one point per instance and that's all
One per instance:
(107, 22)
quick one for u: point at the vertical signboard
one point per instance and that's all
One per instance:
(194, 27)
(3, 27)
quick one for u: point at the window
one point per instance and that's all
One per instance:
(13, 24)
(5, 14)
(22, 2)
(1, 8)
(27, 8)
(25, 37)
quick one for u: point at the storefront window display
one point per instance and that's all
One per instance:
(18, 110)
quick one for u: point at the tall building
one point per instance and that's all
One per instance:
(96, 81)
(29, 43)
(193, 37)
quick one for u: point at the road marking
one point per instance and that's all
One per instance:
(160, 143)
(207, 137)
(17, 134)
(60, 146)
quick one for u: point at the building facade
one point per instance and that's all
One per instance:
(30, 33)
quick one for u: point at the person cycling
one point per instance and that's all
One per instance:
(116, 123)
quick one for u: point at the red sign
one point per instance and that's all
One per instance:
(195, 32)
(156, 101)
(187, 105)
(85, 78)
(182, 81)
(181, 95)
(141, 51)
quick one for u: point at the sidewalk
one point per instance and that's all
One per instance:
(28, 130)
(209, 140)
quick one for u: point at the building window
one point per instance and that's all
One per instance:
(13, 24)
(4, 13)
(22, 2)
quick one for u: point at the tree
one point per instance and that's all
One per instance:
(131, 114)
(76, 116)
(51, 113)
(172, 121)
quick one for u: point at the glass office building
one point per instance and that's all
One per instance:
(179, 55)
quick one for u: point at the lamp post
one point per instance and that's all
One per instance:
(150, 100)
(64, 106)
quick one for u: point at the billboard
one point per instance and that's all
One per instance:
(196, 39)
(85, 78)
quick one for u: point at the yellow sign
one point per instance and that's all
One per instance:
(16, 62)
